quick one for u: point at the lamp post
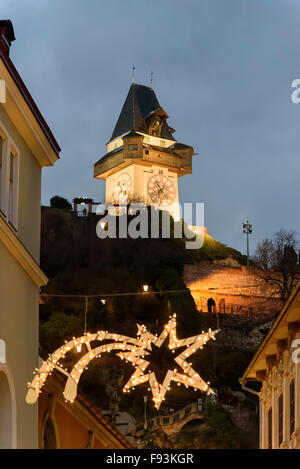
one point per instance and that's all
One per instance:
(247, 228)
(145, 413)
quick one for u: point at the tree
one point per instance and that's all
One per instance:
(219, 421)
(60, 202)
(279, 262)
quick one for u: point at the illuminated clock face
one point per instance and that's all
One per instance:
(161, 190)
(122, 188)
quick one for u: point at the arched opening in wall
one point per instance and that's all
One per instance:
(6, 413)
(191, 431)
(49, 435)
(193, 424)
(211, 305)
(2, 351)
(222, 305)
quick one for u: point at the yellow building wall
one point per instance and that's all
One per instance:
(19, 295)
(19, 328)
(70, 430)
(29, 191)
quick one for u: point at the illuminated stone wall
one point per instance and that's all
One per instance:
(233, 290)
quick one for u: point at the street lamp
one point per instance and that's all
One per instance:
(247, 228)
(145, 413)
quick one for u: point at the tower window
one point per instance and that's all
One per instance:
(132, 147)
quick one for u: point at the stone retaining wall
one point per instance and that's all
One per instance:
(232, 290)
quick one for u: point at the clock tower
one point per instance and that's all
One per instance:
(143, 160)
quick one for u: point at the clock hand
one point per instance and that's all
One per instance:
(121, 188)
(160, 188)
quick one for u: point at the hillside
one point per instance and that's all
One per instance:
(77, 262)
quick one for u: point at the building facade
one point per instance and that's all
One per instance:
(77, 425)
(276, 365)
(143, 160)
(26, 146)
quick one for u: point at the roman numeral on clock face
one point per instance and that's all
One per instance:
(161, 190)
(122, 187)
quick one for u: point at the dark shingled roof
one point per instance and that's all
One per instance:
(141, 101)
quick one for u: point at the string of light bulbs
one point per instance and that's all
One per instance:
(131, 350)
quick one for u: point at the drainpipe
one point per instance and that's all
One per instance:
(255, 393)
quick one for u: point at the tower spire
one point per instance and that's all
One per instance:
(132, 76)
(151, 81)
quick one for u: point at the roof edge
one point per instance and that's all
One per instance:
(30, 102)
(243, 379)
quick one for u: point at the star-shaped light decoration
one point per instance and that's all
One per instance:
(189, 377)
(132, 350)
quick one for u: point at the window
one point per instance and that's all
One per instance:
(280, 418)
(49, 437)
(12, 190)
(292, 407)
(270, 428)
(9, 178)
(132, 147)
(211, 305)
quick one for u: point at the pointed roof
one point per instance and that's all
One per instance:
(140, 102)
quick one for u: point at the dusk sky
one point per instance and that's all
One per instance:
(222, 71)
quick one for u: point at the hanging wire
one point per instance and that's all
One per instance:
(107, 295)
(162, 292)
(85, 313)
